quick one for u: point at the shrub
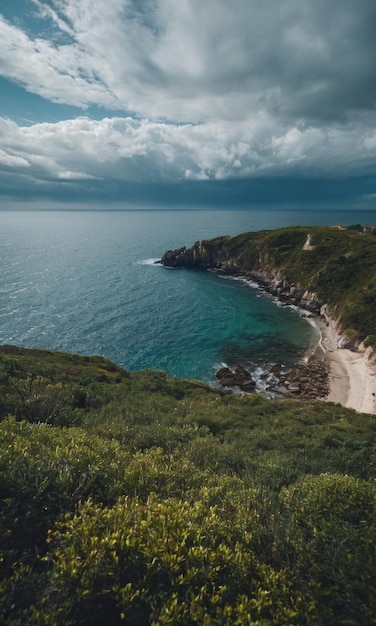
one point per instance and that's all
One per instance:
(330, 532)
(162, 562)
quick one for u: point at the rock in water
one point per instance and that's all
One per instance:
(238, 377)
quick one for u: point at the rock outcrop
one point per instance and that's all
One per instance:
(238, 377)
(309, 380)
(205, 253)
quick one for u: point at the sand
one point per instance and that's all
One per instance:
(352, 376)
(352, 381)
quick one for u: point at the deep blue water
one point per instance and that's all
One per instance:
(85, 282)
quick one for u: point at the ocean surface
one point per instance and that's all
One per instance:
(86, 282)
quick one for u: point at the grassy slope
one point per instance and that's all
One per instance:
(341, 270)
(155, 500)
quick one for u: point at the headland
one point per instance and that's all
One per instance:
(329, 272)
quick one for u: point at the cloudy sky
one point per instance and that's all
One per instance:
(249, 101)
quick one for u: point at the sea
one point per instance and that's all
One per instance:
(87, 282)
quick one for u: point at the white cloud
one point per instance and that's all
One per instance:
(10, 160)
(75, 176)
(222, 90)
(60, 74)
(126, 149)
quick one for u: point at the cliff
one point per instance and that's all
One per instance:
(307, 266)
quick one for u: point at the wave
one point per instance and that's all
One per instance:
(267, 382)
(148, 262)
(240, 279)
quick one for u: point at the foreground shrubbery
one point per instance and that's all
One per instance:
(148, 500)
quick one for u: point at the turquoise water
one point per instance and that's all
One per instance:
(86, 282)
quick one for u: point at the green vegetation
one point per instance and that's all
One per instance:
(137, 498)
(340, 268)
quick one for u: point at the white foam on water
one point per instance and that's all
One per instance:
(148, 262)
(267, 383)
(240, 279)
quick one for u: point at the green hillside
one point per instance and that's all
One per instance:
(136, 498)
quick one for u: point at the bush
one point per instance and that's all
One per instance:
(330, 533)
(162, 562)
(370, 341)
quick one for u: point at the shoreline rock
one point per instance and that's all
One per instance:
(238, 377)
(309, 380)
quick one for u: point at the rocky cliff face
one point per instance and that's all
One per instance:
(209, 253)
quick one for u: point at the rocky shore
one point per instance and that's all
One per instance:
(309, 380)
(206, 255)
(332, 373)
(238, 377)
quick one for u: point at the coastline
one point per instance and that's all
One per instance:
(352, 376)
(349, 376)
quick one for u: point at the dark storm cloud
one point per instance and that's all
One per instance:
(218, 90)
(192, 60)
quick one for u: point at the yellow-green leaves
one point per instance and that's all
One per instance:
(170, 560)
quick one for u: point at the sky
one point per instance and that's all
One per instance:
(177, 102)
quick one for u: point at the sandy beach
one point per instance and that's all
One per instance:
(352, 377)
